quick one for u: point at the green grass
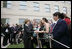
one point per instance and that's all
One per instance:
(16, 46)
(20, 46)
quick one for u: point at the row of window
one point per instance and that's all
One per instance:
(66, 1)
(36, 5)
(21, 21)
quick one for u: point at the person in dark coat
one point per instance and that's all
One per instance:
(27, 36)
(31, 28)
(7, 32)
(60, 32)
(20, 33)
(15, 33)
(12, 34)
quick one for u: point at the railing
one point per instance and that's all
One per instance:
(57, 42)
(50, 43)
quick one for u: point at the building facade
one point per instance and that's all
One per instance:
(13, 12)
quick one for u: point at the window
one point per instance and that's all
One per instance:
(36, 6)
(23, 5)
(69, 2)
(7, 20)
(21, 21)
(56, 8)
(47, 7)
(62, 1)
(7, 4)
(64, 10)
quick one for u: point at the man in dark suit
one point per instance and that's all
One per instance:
(13, 34)
(7, 31)
(31, 29)
(27, 34)
(60, 32)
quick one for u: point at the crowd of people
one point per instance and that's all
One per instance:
(13, 33)
(61, 31)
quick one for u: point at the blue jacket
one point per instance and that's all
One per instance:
(61, 34)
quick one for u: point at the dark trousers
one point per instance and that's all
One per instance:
(32, 44)
(27, 43)
(13, 38)
(5, 39)
(35, 41)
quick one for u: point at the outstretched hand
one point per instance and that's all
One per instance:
(36, 31)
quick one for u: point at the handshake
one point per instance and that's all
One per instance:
(38, 31)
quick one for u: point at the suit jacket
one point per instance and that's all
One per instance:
(27, 32)
(61, 34)
(9, 30)
(12, 29)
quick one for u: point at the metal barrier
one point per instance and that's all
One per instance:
(59, 42)
(50, 44)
